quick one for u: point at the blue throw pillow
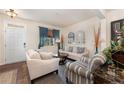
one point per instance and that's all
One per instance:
(80, 50)
(70, 49)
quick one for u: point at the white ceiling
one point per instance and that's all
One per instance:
(57, 17)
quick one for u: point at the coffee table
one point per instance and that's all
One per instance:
(63, 57)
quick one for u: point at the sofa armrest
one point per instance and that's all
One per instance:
(38, 60)
(96, 61)
(77, 68)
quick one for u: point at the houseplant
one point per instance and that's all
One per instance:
(116, 49)
(108, 53)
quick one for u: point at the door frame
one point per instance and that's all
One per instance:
(5, 27)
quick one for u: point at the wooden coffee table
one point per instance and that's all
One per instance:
(63, 57)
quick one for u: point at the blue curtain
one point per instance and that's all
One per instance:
(43, 34)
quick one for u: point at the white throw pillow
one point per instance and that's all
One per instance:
(34, 55)
(46, 56)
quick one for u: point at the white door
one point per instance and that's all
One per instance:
(15, 44)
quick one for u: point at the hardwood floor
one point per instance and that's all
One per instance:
(52, 78)
(22, 76)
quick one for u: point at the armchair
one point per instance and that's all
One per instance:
(80, 72)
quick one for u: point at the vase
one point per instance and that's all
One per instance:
(96, 50)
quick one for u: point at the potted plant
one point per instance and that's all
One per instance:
(114, 52)
(108, 53)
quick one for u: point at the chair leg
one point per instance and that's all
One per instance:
(56, 71)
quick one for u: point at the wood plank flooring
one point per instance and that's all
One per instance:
(52, 78)
(22, 72)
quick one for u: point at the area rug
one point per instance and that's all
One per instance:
(8, 77)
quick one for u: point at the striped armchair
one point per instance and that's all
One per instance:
(80, 72)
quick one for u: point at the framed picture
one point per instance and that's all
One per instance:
(116, 28)
(80, 37)
(71, 37)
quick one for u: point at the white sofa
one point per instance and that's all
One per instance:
(52, 49)
(38, 67)
(74, 55)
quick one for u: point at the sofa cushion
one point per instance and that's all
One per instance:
(34, 55)
(70, 49)
(46, 56)
(80, 50)
(72, 55)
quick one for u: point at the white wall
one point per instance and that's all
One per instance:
(103, 36)
(32, 33)
(88, 27)
(113, 16)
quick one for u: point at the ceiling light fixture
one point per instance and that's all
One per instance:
(11, 13)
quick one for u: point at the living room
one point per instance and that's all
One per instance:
(100, 68)
(59, 46)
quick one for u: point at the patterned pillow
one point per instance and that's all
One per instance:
(34, 55)
(80, 50)
(70, 49)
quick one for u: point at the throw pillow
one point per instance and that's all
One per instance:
(80, 50)
(34, 55)
(46, 56)
(70, 49)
